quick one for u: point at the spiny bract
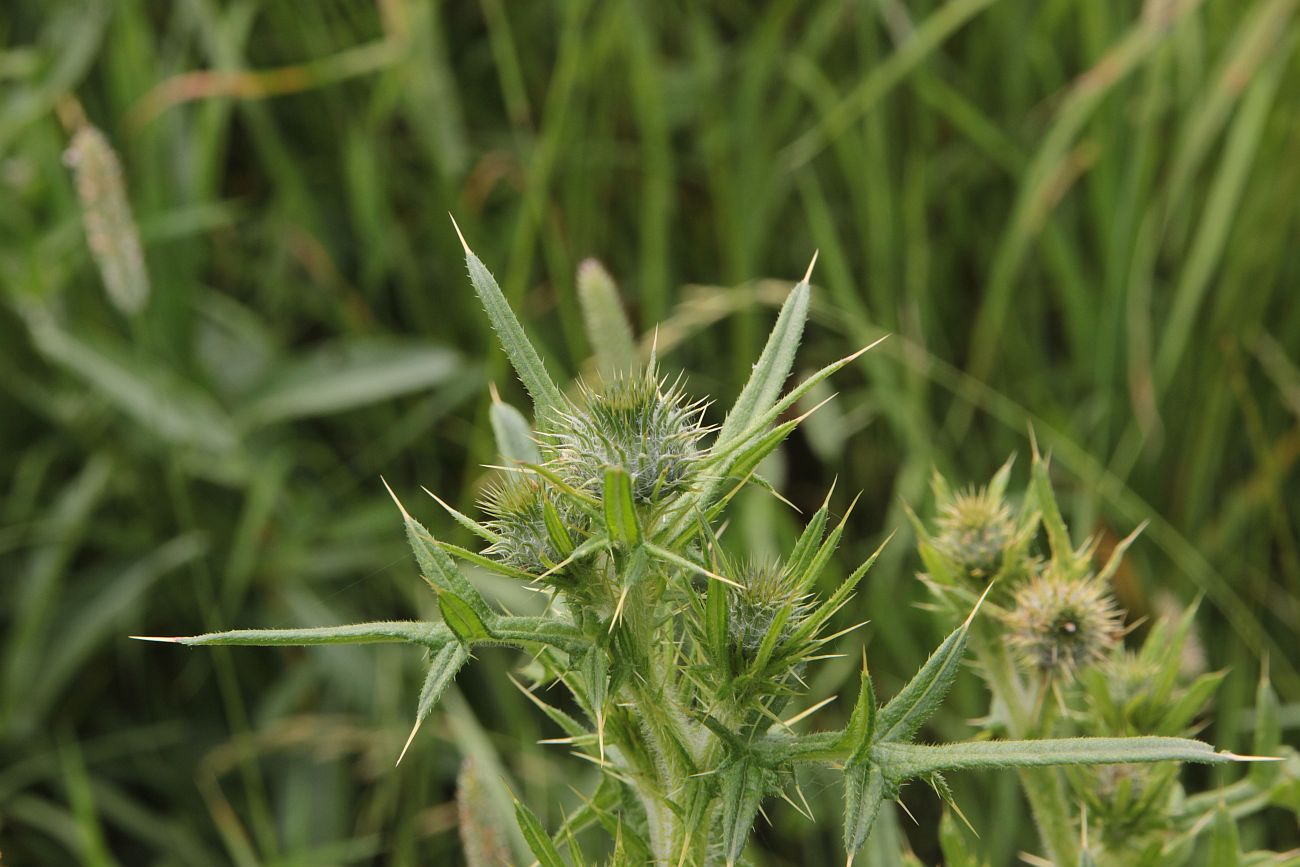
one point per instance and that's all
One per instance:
(517, 508)
(1059, 624)
(633, 421)
(975, 528)
(765, 591)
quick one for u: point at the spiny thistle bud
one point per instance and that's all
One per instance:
(517, 509)
(1060, 625)
(631, 421)
(975, 528)
(752, 610)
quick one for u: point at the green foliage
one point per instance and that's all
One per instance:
(623, 617)
(1075, 217)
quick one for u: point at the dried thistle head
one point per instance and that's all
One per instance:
(974, 530)
(633, 421)
(1059, 625)
(766, 589)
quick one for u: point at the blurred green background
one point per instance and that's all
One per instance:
(1075, 217)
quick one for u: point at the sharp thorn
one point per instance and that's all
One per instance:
(459, 234)
(405, 514)
(409, 738)
(808, 274)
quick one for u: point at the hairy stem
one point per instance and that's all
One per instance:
(1044, 787)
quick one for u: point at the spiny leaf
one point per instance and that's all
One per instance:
(903, 716)
(389, 632)
(1057, 534)
(548, 631)
(436, 565)
(620, 509)
(571, 726)
(818, 617)
(539, 842)
(461, 618)
(608, 330)
(1268, 730)
(555, 529)
(523, 357)
(864, 790)
(716, 615)
(773, 365)
(903, 761)
(464, 520)
(861, 728)
(741, 790)
(822, 556)
(447, 661)
(806, 546)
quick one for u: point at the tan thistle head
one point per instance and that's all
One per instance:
(1058, 624)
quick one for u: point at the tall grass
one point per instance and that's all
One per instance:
(1078, 217)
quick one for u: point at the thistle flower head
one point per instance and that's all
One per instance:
(765, 590)
(516, 508)
(1059, 625)
(975, 528)
(634, 421)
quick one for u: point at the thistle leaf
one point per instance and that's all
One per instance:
(904, 761)
(906, 712)
(806, 546)
(741, 790)
(716, 616)
(1058, 537)
(555, 529)
(514, 436)
(539, 842)
(861, 729)
(822, 556)
(446, 663)
(419, 632)
(548, 631)
(620, 509)
(523, 357)
(1268, 732)
(461, 618)
(436, 565)
(773, 365)
(608, 330)
(864, 790)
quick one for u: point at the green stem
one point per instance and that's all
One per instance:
(652, 692)
(1044, 787)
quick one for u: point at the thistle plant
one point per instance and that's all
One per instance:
(688, 660)
(1052, 653)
